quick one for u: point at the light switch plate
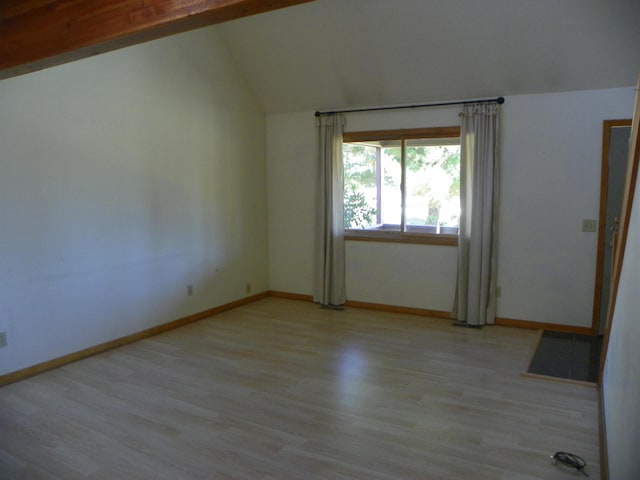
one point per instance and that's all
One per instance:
(589, 225)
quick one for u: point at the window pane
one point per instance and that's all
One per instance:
(360, 196)
(433, 187)
(373, 176)
(390, 185)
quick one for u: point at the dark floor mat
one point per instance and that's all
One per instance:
(567, 355)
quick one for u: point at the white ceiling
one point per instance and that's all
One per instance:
(345, 53)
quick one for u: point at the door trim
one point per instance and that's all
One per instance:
(602, 220)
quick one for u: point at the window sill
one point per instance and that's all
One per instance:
(398, 237)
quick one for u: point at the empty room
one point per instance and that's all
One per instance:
(319, 239)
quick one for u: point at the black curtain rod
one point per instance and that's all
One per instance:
(499, 100)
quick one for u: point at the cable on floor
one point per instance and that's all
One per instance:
(570, 460)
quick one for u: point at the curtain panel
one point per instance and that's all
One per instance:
(329, 282)
(477, 244)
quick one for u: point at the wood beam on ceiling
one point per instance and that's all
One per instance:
(36, 34)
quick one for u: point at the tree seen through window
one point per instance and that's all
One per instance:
(377, 197)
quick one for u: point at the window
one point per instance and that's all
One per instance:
(402, 185)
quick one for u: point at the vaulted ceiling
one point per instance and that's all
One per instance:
(36, 34)
(345, 53)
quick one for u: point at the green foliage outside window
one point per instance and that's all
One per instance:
(359, 172)
(433, 183)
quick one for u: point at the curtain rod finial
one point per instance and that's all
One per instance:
(500, 100)
(317, 114)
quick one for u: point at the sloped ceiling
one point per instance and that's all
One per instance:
(346, 53)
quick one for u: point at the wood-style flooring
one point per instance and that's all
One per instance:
(281, 389)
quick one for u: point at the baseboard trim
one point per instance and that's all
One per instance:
(602, 430)
(554, 327)
(558, 379)
(368, 306)
(291, 296)
(25, 373)
(399, 309)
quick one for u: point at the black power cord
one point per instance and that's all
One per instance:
(570, 460)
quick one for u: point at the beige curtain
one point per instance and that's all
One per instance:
(329, 285)
(477, 248)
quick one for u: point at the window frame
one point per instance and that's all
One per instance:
(380, 235)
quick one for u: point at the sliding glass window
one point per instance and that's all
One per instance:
(402, 185)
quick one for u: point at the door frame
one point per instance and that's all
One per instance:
(607, 126)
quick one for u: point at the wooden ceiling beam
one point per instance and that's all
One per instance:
(36, 34)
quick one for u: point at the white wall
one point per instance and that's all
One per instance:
(371, 267)
(124, 178)
(291, 180)
(550, 182)
(621, 383)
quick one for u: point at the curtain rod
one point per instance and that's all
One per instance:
(499, 101)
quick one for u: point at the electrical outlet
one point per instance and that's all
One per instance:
(589, 225)
(189, 290)
(248, 288)
(498, 292)
(3, 339)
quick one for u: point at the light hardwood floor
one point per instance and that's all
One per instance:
(281, 389)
